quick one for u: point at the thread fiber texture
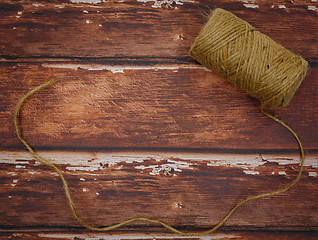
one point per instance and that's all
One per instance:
(249, 59)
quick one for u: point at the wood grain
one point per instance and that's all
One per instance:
(170, 106)
(180, 188)
(160, 31)
(37, 235)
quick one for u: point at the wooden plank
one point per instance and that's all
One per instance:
(184, 189)
(152, 236)
(129, 29)
(166, 106)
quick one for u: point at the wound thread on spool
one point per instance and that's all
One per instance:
(249, 59)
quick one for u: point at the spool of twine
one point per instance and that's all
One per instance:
(249, 59)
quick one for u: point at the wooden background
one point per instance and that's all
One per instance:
(140, 129)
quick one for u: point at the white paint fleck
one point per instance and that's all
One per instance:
(19, 13)
(159, 3)
(273, 6)
(84, 189)
(12, 173)
(314, 0)
(85, 11)
(312, 174)
(100, 25)
(38, 4)
(282, 173)
(88, 21)
(248, 1)
(273, 173)
(14, 183)
(250, 5)
(17, 16)
(59, 5)
(82, 179)
(312, 8)
(14, 28)
(117, 71)
(97, 193)
(19, 166)
(251, 172)
(9, 196)
(169, 167)
(281, 6)
(88, 1)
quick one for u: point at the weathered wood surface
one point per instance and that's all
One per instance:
(170, 106)
(125, 80)
(153, 236)
(182, 189)
(142, 29)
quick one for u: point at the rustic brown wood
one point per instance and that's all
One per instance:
(125, 80)
(142, 30)
(171, 106)
(37, 235)
(183, 189)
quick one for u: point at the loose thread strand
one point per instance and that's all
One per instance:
(115, 226)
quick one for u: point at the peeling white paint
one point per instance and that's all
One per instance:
(12, 173)
(282, 173)
(314, 0)
(248, 1)
(312, 174)
(250, 5)
(89, 162)
(97, 193)
(312, 8)
(119, 69)
(9, 196)
(281, 6)
(85, 11)
(109, 236)
(159, 4)
(88, 21)
(251, 172)
(100, 25)
(167, 168)
(38, 4)
(14, 183)
(88, 1)
(19, 166)
(84, 189)
(59, 5)
(82, 179)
